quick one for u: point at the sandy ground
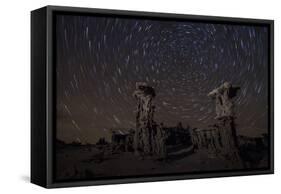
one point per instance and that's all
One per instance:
(80, 162)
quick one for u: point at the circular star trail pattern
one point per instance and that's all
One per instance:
(99, 60)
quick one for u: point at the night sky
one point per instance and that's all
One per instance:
(99, 60)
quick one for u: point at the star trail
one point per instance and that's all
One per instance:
(99, 60)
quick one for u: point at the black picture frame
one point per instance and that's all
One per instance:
(43, 87)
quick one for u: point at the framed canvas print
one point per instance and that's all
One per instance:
(123, 96)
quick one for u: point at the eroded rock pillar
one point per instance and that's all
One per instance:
(149, 137)
(144, 117)
(225, 116)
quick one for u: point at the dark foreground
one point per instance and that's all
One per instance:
(82, 162)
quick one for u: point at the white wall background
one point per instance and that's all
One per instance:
(15, 94)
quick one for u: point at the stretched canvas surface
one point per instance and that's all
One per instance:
(142, 97)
